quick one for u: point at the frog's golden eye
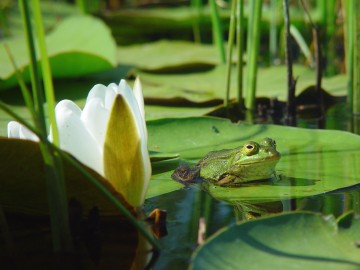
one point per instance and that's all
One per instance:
(250, 148)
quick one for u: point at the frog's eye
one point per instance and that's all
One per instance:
(269, 142)
(250, 148)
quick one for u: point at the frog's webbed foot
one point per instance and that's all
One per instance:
(184, 174)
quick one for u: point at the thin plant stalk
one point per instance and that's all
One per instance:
(196, 6)
(249, 40)
(273, 44)
(330, 24)
(240, 49)
(349, 47)
(38, 97)
(81, 6)
(253, 52)
(58, 211)
(291, 105)
(46, 72)
(217, 30)
(356, 61)
(231, 40)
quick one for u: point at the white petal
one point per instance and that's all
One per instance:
(129, 96)
(13, 129)
(98, 91)
(139, 96)
(140, 101)
(67, 105)
(95, 118)
(26, 134)
(110, 96)
(75, 138)
(17, 130)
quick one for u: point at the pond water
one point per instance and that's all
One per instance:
(191, 206)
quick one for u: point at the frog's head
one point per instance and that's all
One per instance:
(257, 160)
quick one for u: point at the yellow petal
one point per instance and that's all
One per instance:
(123, 158)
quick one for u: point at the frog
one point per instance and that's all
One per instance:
(250, 162)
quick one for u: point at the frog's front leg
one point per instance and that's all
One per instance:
(226, 180)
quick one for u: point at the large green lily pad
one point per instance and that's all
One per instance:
(312, 162)
(165, 55)
(79, 45)
(200, 87)
(286, 241)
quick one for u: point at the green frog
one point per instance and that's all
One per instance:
(231, 167)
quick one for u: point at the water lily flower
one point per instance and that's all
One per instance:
(109, 135)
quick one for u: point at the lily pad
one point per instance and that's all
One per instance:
(79, 45)
(312, 162)
(287, 241)
(175, 55)
(200, 87)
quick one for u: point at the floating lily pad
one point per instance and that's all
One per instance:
(286, 241)
(157, 112)
(313, 161)
(52, 12)
(79, 45)
(165, 56)
(200, 87)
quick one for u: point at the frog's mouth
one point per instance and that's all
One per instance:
(267, 160)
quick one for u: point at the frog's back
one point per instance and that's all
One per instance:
(218, 155)
(215, 163)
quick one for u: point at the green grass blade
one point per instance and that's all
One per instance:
(196, 5)
(33, 68)
(217, 30)
(46, 71)
(252, 53)
(240, 48)
(273, 41)
(231, 40)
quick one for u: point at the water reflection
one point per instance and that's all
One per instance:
(186, 207)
